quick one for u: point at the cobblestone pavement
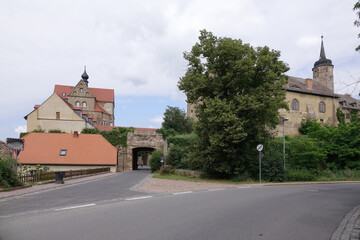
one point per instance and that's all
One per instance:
(51, 185)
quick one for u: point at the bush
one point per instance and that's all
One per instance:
(155, 163)
(300, 175)
(166, 169)
(305, 153)
(8, 177)
(272, 168)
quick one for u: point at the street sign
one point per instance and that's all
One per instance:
(260, 147)
(162, 160)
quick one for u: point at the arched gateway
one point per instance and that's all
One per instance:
(136, 143)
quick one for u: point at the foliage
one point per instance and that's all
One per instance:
(56, 131)
(340, 116)
(8, 177)
(305, 154)
(310, 125)
(155, 163)
(117, 136)
(38, 131)
(237, 89)
(175, 122)
(272, 169)
(180, 146)
(166, 169)
(357, 21)
(300, 175)
(23, 134)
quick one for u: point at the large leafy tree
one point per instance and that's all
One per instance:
(357, 22)
(175, 122)
(237, 90)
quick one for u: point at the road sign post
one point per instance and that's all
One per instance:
(260, 147)
(15, 145)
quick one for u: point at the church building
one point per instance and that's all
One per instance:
(72, 108)
(310, 98)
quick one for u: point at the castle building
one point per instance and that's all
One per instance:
(310, 99)
(72, 108)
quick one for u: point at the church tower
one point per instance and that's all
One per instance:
(323, 70)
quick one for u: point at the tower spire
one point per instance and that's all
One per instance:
(322, 60)
(85, 77)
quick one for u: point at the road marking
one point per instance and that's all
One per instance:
(216, 189)
(137, 198)
(178, 193)
(73, 207)
(245, 187)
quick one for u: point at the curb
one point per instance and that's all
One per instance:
(349, 228)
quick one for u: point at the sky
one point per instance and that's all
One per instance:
(136, 48)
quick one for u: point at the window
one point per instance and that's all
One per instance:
(63, 152)
(347, 115)
(295, 104)
(57, 115)
(63, 94)
(84, 104)
(81, 90)
(322, 107)
(77, 104)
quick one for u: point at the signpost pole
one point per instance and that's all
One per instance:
(260, 167)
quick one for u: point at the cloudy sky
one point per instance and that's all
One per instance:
(136, 47)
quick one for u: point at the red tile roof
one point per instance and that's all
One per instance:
(101, 94)
(86, 149)
(98, 108)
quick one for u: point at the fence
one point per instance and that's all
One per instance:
(43, 176)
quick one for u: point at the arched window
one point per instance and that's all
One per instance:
(295, 104)
(84, 104)
(322, 108)
(77, 104)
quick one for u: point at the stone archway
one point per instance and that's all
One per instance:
(135, 157)
(135, 142)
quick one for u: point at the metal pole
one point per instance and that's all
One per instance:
(260, 167)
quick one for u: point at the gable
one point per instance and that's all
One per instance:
(100, 94)
(54, 105)
(80, 90)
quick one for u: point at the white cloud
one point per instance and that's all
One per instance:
(20, 129)
(157, 119)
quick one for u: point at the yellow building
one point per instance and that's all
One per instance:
(72, 108)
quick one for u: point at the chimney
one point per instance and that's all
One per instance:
(309, 83)
(76, 134)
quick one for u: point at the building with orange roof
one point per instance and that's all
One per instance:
(64, 151)
(72, 108)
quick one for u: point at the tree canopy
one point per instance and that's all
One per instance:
(357, 21)
(175, 122)
(238, 91)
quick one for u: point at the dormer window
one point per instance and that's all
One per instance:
(63, 152)
(295, 86)
(353, 104)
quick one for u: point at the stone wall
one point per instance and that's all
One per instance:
(4, 153)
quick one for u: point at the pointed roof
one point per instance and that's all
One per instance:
(323, 61)
(101, 95)
(85, 77)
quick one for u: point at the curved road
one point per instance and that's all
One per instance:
(272, 212)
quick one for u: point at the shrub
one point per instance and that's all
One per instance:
(300, 175)
(272, 168)
(8, 177)
(56, 131)
(166, 169)
(155, 163)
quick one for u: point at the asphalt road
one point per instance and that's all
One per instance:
(112, 188)
(271, 212)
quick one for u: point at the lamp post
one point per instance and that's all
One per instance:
(283, 120)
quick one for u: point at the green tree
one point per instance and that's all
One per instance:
(155, 163)
(238, 92)
(357, 21)
(175, 122)
(8, 177)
